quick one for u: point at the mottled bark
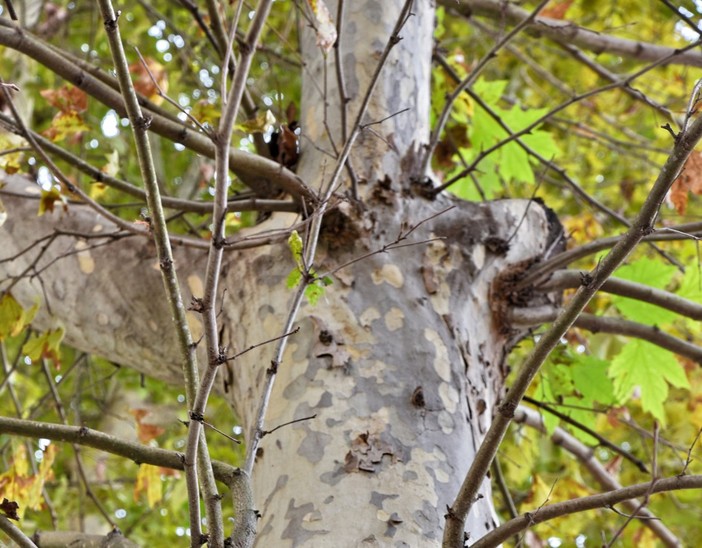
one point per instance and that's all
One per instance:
(402, 359)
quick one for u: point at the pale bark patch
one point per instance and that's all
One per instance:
(390, 274)
(394, 319)
(449, 397)
(86, 263)
(441, 360)
(368, 316)
(195, 285)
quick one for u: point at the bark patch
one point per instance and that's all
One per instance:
(366, 454)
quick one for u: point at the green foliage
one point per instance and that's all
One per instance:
(650, 272)
(649, 368)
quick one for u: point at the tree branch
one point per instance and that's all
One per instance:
(523, 317)
(586, 457)
(254, 171)
(604, 500)
(566, 32)
(567, 279)
(686, 141)
(140, 454)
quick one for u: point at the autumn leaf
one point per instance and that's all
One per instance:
(689, 180)
(66, 125)
(326, 30)
(146, 431)
(21, 488)
(14, 318)
(149, 483)
(66, 99)
(557, 10)
(148, 77)
(261, 123)
(205, 112)
(45, 345)
(48, 200)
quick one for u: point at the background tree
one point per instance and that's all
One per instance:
(295, 210)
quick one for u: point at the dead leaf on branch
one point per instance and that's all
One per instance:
(689, 181)
(557, 11)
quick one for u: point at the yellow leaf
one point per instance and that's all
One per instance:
(45, 345)
(48, 199)
(14, 318)
(260, 124)
(66, 124)
(149, 483)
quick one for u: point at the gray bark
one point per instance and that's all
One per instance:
(403, 358)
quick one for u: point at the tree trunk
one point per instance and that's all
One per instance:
(403, 358)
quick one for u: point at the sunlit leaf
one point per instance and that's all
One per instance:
(149, 483)
(48, 200)
(295, 245)
(46, 345)
(652, 273)
(649, 368)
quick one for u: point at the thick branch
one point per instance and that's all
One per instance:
(599, 324)
(255, 171)
(565, 279)
(566, 32)
(642, 226)
(586, 457)
(140, 454)
(573, 506)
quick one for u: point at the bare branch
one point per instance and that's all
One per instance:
(600, 324)
(585, 455)
(140, 454)
(566, 32)
(565, 279)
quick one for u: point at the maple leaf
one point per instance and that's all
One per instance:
(689, 180)
(146, 431)
(66, 98)
(148, 77)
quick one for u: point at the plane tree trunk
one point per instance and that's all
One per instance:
(401, 361)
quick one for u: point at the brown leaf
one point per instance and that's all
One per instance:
(9, 508)
(148, 77)
(146, 431)
(556, 11)
(66, 99)
(689, 180)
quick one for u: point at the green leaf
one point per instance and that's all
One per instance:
(515, 164)
(691, 285)
(591, 381)
(313, 292)
(652, 273)
(294, 278)
(650, 368)
(295, 245)
(14, 318)
(45, 345)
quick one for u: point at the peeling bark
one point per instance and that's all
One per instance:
(403, 359)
